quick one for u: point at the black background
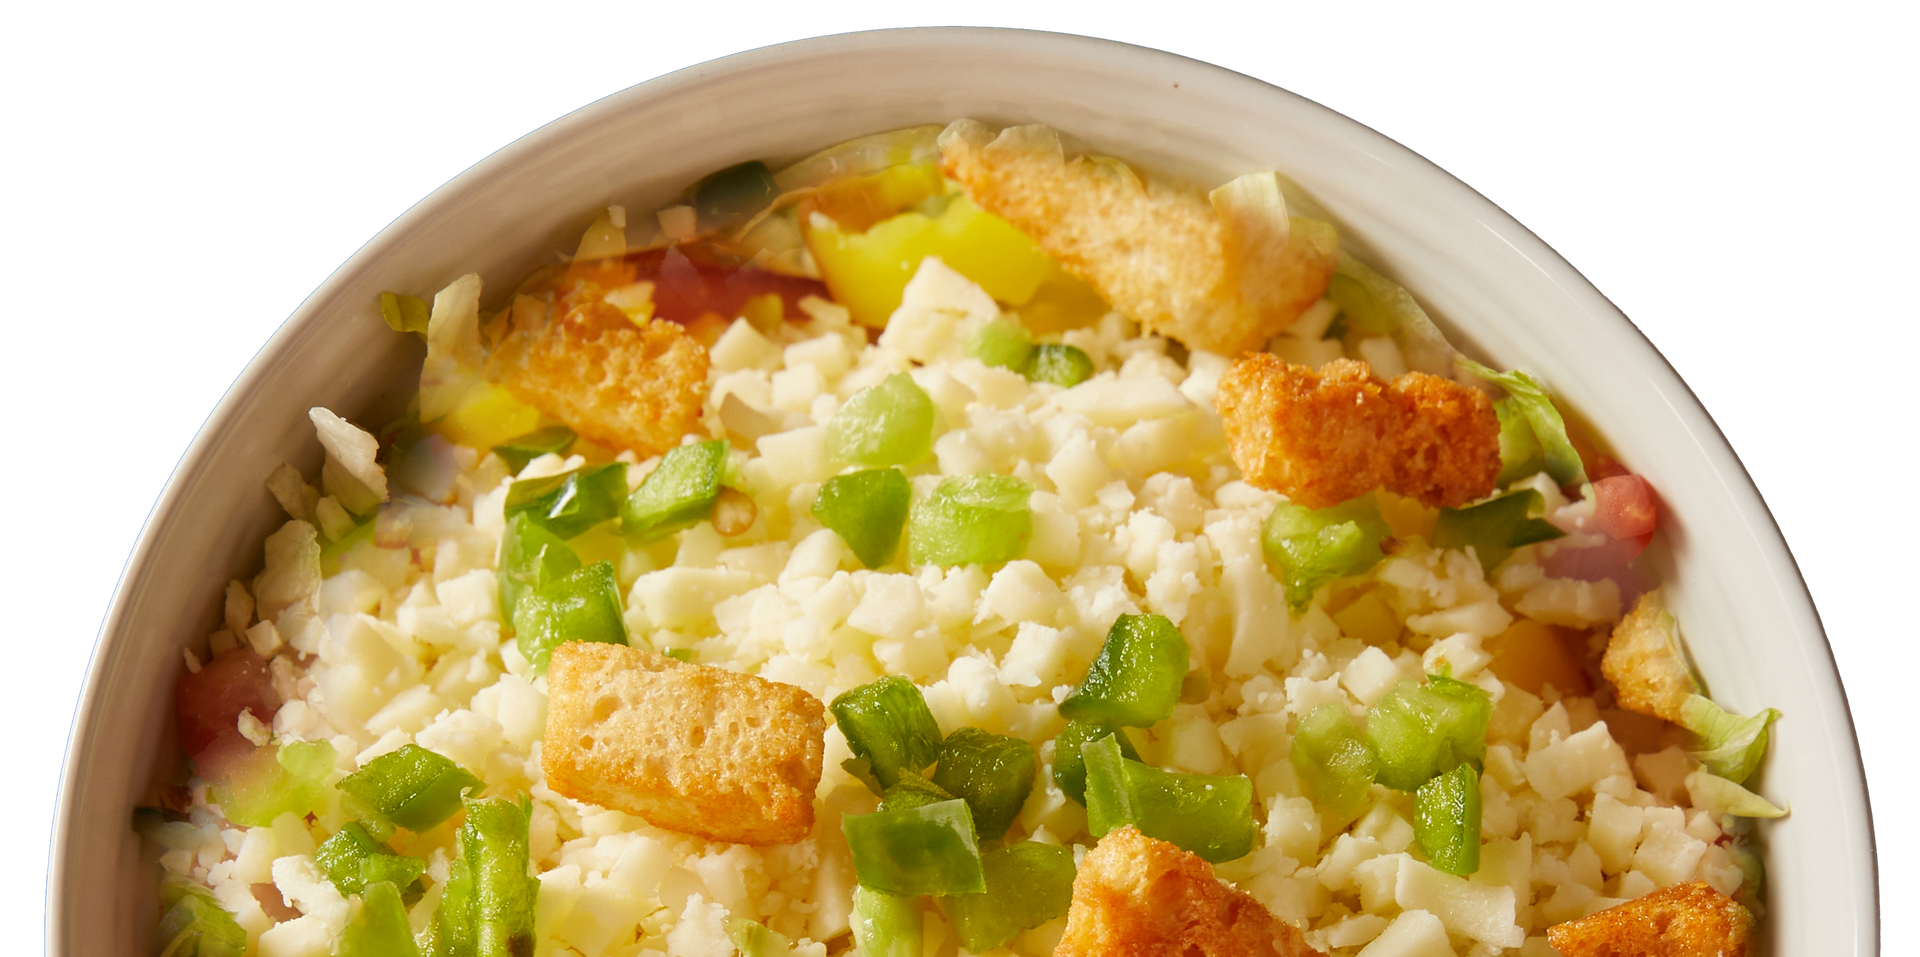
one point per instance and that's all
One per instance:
(1690, 183)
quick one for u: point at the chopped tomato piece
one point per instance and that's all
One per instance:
(1623, 506)
(689, 280)
(209, 702)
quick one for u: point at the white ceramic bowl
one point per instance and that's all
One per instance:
(1501, 292)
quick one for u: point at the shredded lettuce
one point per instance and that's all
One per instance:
(1722, 797)
(1727, 744)
(1532, 402)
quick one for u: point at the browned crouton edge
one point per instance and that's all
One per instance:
(705, 751)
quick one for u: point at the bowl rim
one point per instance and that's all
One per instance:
(115, 632)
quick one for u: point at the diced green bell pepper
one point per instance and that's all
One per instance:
(1060, 364)
(1309, 547)
(276, 779)
(379, 928)
(1001, 343)
(1446, 820)
(1069, 767)
(487, 909)
(678, 493)
(530, 557)
(1210, 815)
(1028, 884)
(1135, 679)
(885, 925)
(912, 790)
(921, 850)
(571, 502)
(352, 860)
(1332, 759)
(1495, 527)
(972, 519)
(195, 925)
(410, 786)
(518, 451)
(752, 939)
(993, 773)
(887, 723)
(583, 605)
(1420, 730)
(887, 423)
(867, 510)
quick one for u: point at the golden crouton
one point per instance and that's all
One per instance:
(1136, 895)
(1644, 662)
(1157, 252)
(704, 751)
(1685, 920)
(617, 382)
(1324, 437)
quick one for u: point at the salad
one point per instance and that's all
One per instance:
(950, 543)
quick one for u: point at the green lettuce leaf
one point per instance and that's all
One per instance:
(1532, 402)
(1727, 744)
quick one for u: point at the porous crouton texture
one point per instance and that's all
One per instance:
(1154, 250)
(1321, 438)
(620, 383)
(1685, 920)
(696, 749)
(1138, 895)
(1648, 672)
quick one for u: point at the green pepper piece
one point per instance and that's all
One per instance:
(275, 780)
(195, 925)
(571, 502)
(379, 928)
(1060, 364)
(1446, 820)
(1419, 730)
(727, 196)
(888, 423)
(1135, 679)
(1495, 527)
(919, 850)
(678, 493)
(1332, 759)
(500, 910)
(912, 790)
(1210, 815)
(404, 313)
(518, 451)
(886, 722)
(583, 605)
(885, 925)
(1028, 884)
(1309, 547)
(993, 773)
(530, 557)
(1549, 429)
(453, 933)
(972, 519)
(1069, 767)
(1001, 343)
(752, 939)
(410, 786)
(352, 860)
(867, 509)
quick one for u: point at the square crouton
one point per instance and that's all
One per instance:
(1685, 920)
(1135, 895)
(705, 751)
(1644, 661)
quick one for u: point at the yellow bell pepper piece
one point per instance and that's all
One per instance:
(487, 416)
(866, 272)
